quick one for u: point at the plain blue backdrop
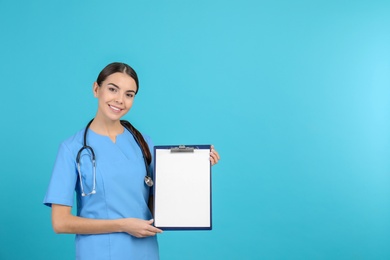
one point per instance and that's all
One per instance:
(295, 95)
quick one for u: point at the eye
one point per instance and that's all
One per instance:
(111, 89)
(130, 95)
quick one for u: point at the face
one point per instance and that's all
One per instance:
(116, 95)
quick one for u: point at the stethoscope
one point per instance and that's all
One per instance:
(148, 178)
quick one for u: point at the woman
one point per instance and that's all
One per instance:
(113, 219)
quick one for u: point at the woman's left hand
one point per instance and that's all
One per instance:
(214, 156)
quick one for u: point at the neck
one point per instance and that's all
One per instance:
(106, 127)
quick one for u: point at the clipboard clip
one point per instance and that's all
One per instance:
(182, 148)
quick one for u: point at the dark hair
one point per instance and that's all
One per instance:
(117, 67)
(124, 68)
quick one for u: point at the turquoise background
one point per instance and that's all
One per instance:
(295, 95)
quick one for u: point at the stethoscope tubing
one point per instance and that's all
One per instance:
(148, 179)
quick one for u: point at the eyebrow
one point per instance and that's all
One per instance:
(119, 87)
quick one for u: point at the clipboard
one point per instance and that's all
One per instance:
(182, 187)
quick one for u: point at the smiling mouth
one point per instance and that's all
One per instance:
(115, 108)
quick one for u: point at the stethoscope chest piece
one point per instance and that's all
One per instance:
(148, 181)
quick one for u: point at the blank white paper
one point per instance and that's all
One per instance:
(182, 189)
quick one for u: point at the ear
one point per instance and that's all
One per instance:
(95, 89)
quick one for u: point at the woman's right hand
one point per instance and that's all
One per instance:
(139, 228)
(65, 222)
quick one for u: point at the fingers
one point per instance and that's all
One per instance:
(142, 228)
(153, 228)
(150, 230)
(214, 156)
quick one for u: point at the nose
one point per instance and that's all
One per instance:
(119, 99)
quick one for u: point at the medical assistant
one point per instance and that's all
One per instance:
(120, 193)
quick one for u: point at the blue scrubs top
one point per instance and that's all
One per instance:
(120, 193)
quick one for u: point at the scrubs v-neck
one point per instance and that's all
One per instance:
(120, 193)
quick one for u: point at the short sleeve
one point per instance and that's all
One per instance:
(63, 179)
